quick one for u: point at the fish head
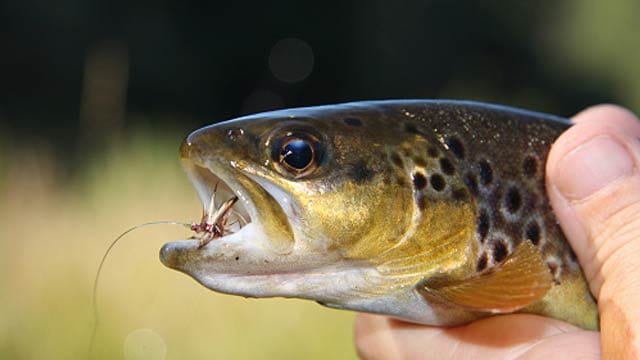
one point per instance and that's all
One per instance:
(319, 196)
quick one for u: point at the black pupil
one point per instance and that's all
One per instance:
(297, 154)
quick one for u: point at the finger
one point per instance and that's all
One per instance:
(594, 186)
(502, 337)
(603, 113)
(374, 338)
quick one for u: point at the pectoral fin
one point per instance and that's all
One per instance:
(519, 280)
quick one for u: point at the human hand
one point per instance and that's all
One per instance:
(593, 182)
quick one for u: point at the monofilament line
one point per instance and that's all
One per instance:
(102, 261)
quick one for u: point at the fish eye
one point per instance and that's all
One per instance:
(297, 154)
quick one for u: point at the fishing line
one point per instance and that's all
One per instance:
(102, 261)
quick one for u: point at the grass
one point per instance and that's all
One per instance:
(53, 234)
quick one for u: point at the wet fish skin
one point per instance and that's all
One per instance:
(430, 211)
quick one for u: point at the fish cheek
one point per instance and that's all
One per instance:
(274, 220)
(362, 219)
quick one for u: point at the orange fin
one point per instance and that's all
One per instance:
(519, 280)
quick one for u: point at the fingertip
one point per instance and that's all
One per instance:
(606, 113)
(613, 133)
(593, 121)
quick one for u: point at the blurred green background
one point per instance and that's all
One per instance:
(96, 96)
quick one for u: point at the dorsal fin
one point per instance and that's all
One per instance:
(519, 280)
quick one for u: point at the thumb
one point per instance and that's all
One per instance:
(593, 180)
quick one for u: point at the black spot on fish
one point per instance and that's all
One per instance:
(532, 232)
(513, 200)
(499, 251)
(237, 258)
(360, 172)
(472, 184)
(352, 121)
(419, 181)
(433, 152)
(446, 166)
(406, 151)
(482, 262)
(484, 222)
(530, 166)
(437, 182)
(410, 128)
(422, 202)
(397, 160)
(459, 194)
(455, 145)
(486, 173)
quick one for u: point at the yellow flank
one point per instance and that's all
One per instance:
(368, 226)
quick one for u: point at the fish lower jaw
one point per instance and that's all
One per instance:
(241, 266)
(190, 255)
(249, 252)
(322, 284)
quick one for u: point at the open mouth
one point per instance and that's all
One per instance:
(225, 204)
(242, 223)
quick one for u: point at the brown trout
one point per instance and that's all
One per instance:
(433, 212)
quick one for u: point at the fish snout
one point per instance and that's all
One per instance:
(175, 254)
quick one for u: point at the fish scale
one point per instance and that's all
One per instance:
(429, 211)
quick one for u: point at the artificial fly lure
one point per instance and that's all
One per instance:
(214, 224)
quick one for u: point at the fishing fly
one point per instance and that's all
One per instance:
(215, 223)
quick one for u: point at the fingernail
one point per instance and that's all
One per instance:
(591, 167)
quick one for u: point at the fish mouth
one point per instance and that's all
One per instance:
(255, 230)
(223, 197)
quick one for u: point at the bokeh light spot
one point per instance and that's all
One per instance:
(144, 344)
(291, 60)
